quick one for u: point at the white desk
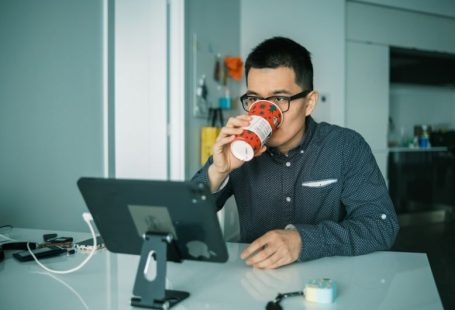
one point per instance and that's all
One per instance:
(382, 280)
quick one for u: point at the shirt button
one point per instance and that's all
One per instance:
(288, 199)
(288, 164)
(302, 151)
(383, 216)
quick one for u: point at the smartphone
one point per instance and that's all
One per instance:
(50, 251)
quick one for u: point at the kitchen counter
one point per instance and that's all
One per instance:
(421, 180)
(416, 149)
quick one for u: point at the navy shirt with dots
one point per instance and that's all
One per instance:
(329, 188)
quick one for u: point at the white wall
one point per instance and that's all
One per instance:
(51, 109)
(317, 25)
(141, 89)
(439, 7)
(176, 89)
(367, 88)
(149, 89)
(418, 105)
(401, 28)
(367, 83)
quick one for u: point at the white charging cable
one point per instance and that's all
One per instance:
(88, 219)
(66, 285)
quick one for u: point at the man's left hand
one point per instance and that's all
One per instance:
(274, 249)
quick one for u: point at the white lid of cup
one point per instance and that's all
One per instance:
(242, 150)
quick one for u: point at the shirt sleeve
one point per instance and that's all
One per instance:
(225, 190)
(370, 223)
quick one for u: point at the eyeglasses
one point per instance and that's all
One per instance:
(283, 102)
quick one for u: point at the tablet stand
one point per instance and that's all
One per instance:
(150, 286)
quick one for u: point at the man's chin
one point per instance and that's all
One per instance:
(271, 143)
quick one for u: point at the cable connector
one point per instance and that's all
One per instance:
(88, 219)
(87, 216)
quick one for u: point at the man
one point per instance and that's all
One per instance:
(314, 190)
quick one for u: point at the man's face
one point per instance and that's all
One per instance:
(281, 81)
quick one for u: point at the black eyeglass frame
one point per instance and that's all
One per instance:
(302, 94)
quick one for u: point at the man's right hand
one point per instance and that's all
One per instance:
(223, 160)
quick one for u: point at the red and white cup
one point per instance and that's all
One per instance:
(266, 118)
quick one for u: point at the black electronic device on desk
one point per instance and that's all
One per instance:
(159, 220)
(43, 252)
(15, 246)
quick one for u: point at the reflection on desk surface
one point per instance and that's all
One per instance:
(385, 280)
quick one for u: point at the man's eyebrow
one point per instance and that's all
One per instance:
(281, 91)
(275, 92)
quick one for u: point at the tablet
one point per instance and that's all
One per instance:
(124, 210)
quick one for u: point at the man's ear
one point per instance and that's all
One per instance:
(311, 101)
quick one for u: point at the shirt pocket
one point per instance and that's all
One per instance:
(318, 200)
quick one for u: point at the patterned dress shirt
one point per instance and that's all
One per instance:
(329, 188)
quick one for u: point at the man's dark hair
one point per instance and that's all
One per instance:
(283, 52)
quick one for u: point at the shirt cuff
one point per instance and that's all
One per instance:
(290, 227)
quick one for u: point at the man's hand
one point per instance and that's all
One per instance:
(274, 249)
(223, 160)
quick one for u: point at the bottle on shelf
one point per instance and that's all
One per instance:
(424, 139)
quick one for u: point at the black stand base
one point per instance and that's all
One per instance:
(149, 288)
(172, 298)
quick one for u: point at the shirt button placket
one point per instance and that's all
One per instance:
(288, 186)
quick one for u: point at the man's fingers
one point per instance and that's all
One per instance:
(239, 121)
(261, 255)
(220, 143)
(274, 249)
(229, 131)
(254, 247)
(279, 258)
(271, 259)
